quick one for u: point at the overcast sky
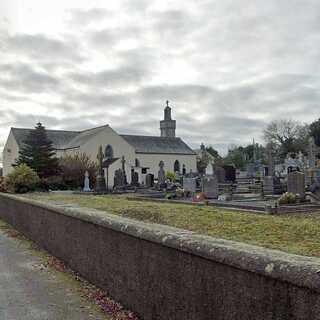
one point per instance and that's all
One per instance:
(227, 67)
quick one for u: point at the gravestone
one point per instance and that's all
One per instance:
(149, 180)
(161, 174)
(101, 181)
(184, 170)
(220, 173)
(119, 179)
(189, 184)
(230, 173)
(134, 178)
(270, 160)
(86, 187)
(210, 187)
(296, 183)
(312, 153)
(123, 169)
(271, 185)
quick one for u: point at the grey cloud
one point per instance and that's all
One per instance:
(124, 75)
(250, 61)
(42, 48)
(82, 18)
(22, 77)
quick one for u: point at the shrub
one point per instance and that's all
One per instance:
(73, 168)
(52, 183)
(171, 176)
(288, 197)
(22, 179)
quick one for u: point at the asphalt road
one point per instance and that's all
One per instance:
(30, 291)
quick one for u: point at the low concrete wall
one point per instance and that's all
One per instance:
(166, 273)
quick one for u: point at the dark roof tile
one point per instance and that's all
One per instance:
(155, 145)
(59, 138)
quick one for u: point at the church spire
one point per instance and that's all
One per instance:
(167, 111)
(168, 126)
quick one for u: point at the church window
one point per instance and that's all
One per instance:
(176, 167)
(108, 153)
(137, 164)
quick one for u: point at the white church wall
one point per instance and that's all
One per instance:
(10, 154)
(120, 147)
(152, 161)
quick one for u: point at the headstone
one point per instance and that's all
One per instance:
(220, 173)
(210, 187)
(189, 184)
(149, 180)
(296, 183)
(161, 174)
(271, 185)
(134, 178)
(184, 170)
(270, 160)
(312, 153)
(86, 187)
(230, 173)
(119, 179)
(101, 181)
(123, 162)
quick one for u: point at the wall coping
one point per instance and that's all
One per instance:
(299, 270)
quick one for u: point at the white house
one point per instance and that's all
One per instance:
(142, 153)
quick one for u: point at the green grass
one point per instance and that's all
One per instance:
(299, 234)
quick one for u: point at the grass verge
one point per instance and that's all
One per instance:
(294, 233)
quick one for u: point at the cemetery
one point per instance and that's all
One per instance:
(271, 181)
(142, 223)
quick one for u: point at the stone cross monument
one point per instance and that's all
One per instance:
(161, 174)
(312, 153)
(101, 181)
(270, 160)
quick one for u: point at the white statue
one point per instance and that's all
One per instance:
(86, 187)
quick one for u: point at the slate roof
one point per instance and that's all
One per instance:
(158, 145)
(63, 139)
(59, 138)
(83, 136)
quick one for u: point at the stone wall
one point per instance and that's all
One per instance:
(170, 274)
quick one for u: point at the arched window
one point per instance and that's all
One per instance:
(176, 167)
(108, 153)
(137, 164)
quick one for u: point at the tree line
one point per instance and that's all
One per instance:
(284, 137)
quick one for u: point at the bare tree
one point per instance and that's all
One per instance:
(287, 136)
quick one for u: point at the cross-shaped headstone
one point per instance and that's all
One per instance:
(100, 157)
(123, 162)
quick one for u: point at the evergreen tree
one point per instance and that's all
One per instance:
(38, 153)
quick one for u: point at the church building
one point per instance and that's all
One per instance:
(137, 153)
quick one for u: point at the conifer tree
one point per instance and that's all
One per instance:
(38, 153)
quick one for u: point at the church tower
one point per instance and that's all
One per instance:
(168, 126)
